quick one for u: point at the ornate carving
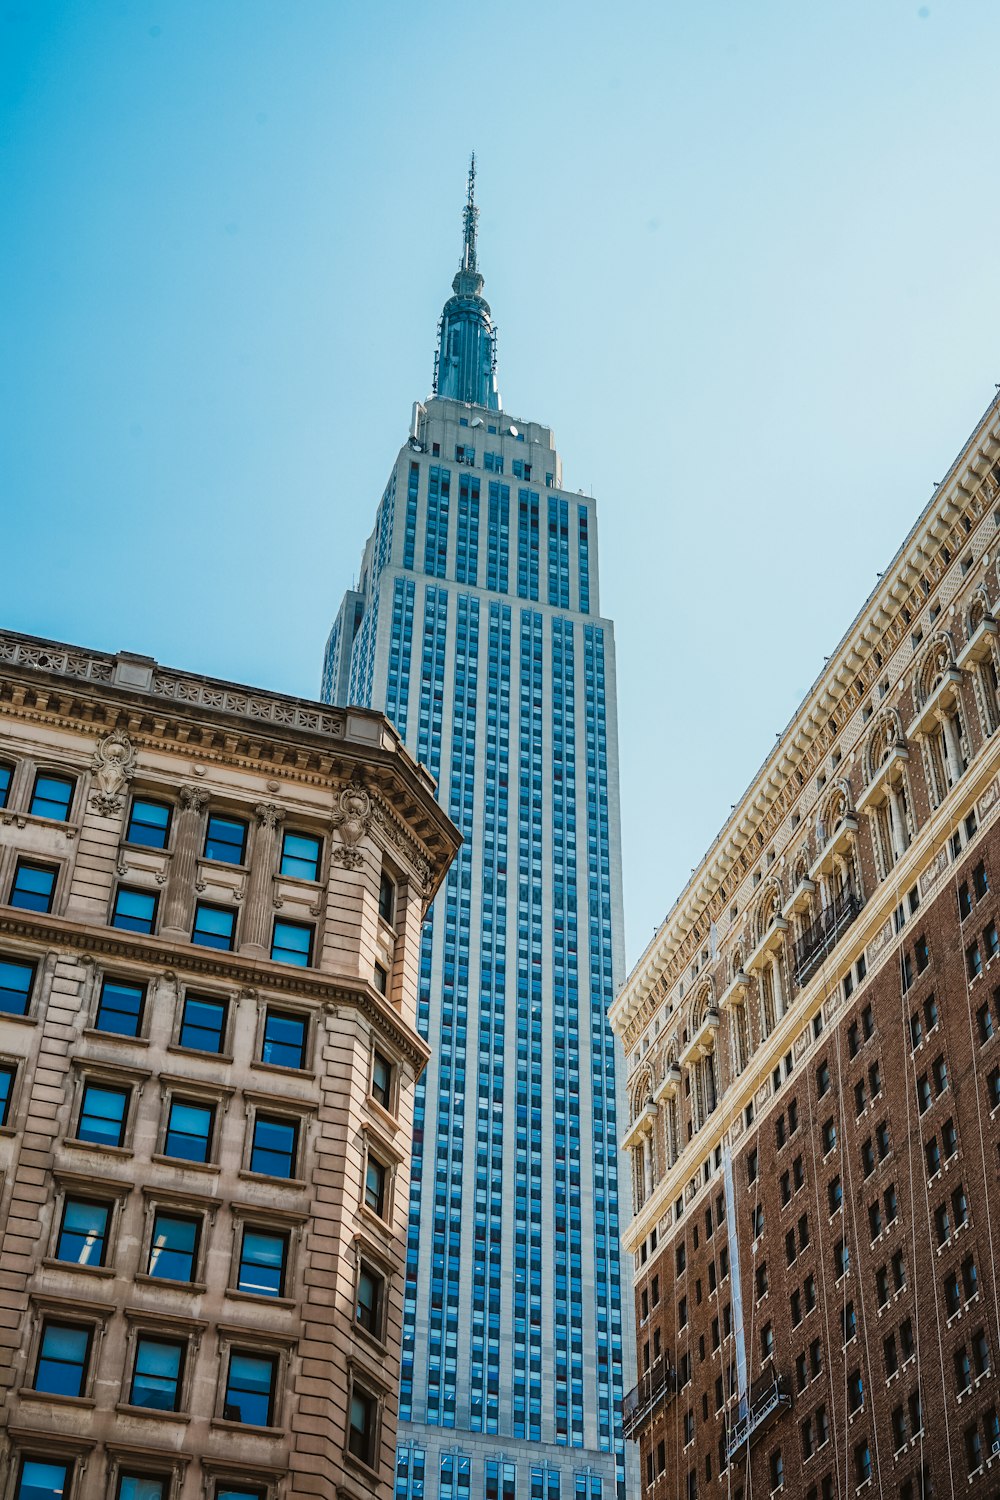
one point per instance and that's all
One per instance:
(193, 797)
(269, 816)
(352, 821)
(114, 767)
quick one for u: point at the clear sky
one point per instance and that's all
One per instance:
(743, 258)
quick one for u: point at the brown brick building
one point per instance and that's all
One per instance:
(210, 908)
(813, 1041)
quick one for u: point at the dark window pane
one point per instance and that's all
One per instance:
(292, 943)
(225, 840)
(7, 1076)
(51, 797)
(157, 1377)
(34, 887)
(16, 980)
(149, 824)
(274, 1144)
(214, 926)
(284, 1040)
(203, 1024)
(300, 856)
(6, 772)
(83, 1235)
(102, 1115)
(382, 1080)
(120, 1008)
(262, 1263)
(386, 898)
(62, 1360)
(189, 1131)
(375, 1179)
(361, 1436)
(134, 910)
(141, 1487)
(173, 1248)
(250, 1389)
(42, 1481)
(228, 1492)
(368, 1311)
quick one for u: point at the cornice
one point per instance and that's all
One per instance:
(877, 629)
(232, 968)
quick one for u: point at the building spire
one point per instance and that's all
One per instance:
(465, 362)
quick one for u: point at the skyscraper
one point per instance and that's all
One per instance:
(476, 627)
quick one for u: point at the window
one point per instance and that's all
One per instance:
(952, 1295)
(381, 977)
(898, 1271)
(16, 982)
(263, 1258)
(103, 1112)
(83, 1232)
(960, 1206)
(370, 1299)
(34, 886)
(250, 1389)
(6, 773)
(189, 1131)
(984, 1017)
(916, 1031)
(300, 855)
(8, 1073)
(757, 1221)
(173, 1247)
(889, 1354)
(63, 1357)
(855, 1392)
(761, 1280)
(841, 1259)
(120, 1007)
(376, 1185)
(867, 1157)
(991, 940)
(786, 1188)
(39, 1480)
(51, 797)
(752, 1166)
(284, 1040)
(848, 1323)
(979, 880)
(883, 1141)
(964, 901)
(973, 961)
(891, 1204)
(203, 1024)
(363, 1425)
(973, 1450)
(822, 1079)
(980, 1353)
(906, 1339)
(940, 1071)
(921, 953)
(932, 1156)
(868, 1023)
(777, 1470)
(970, 1278)
(798, 1176)
(134, 910)
(923, 1093)
(834, 1195)
(829, 1136)
(930, 1013)
(225, 840)
(809, 1287)
(156, 1377)
(898, 1428)
(382, 1082)
(292, 943)
(275, 1146)
(853, 1039)
(387, 897)
(949, 1139)
(816, 1358)
(874, 1220)
(148, 824)
(141, 1487)
(214, 926)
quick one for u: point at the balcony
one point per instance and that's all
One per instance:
(768, 1395)
(643, 1400)
(822, 936)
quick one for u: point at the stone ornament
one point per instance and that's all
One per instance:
(352, 820)
(269, 816)
(193, 797)
(114, 767)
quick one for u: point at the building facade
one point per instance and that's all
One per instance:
(210, 911)
(813, 1045)
(476, 626)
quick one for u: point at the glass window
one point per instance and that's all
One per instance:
(134, 910)
(63, 1355)
(292, 943)
(6, 772)
(16, 980)
(173, 1248)
(382, 1080)
(7, 1075)
(274, 1146)
(189, 1131)
(156, 1379)
(102, 1115)
(141, 1487)
(225, 840)
(262, 1263)
(52, 796)
(148, 824)
(369, 1306)
(120, 1007)
(361, 1435)
(381, 979)
(214, 926)
(42, 1481)
(250, 1389)
(83, 1234)
(387, 898)
(284, 1040)
(300, 854)
(203, 1024)
(376, 1177)
(34, 886)
(230, 1492)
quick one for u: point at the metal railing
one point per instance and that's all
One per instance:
(653, 1391)
(767, 1396)
(823, 934)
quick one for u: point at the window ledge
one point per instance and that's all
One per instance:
(52, 1263)
(359, 1465)
(259, 1298)
(306, 1073)
(371, 1217)
(196, 1288)
(124, 1152)
(263, 1177)
(211, 1167)
(11, 1015)
(128, 1410)
(115, 1036)
(28, 1393)
(222, 1424)
(216, 1057)
(383, 1116)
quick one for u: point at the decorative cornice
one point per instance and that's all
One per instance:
(933, 545)
(232, 968)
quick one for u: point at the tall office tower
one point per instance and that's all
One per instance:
(476, 626)
(813, 1042)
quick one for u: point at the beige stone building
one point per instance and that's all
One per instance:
(210, 909)
(813, 1045)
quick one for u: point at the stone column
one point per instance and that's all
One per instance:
(897, 821)
(178, 904)
(257, 907)
(954, 744)
(777, 990)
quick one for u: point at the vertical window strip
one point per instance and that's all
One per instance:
(410, 528)
(584, 560)
(498, 545)
(436, 538)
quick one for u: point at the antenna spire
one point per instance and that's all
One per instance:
(470, 215)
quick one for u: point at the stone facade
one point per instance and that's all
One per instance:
(814, 1090)
(210, 910)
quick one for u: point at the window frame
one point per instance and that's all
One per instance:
(213, 906)
(279, 1010)
(33, 963)
(123, 888)
(193, 992)
(285, 1111)
(84, 1190)
(181, 1332)
(301, 833)
(68, 1320)
(308, 927)
(141, 799)
(233, 819)
(375, 1392)
(51, 773)
(102, 980)
(181, 1205)
(256, 1345)
(29, 862)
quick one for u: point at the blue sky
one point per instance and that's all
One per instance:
(742, 256)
